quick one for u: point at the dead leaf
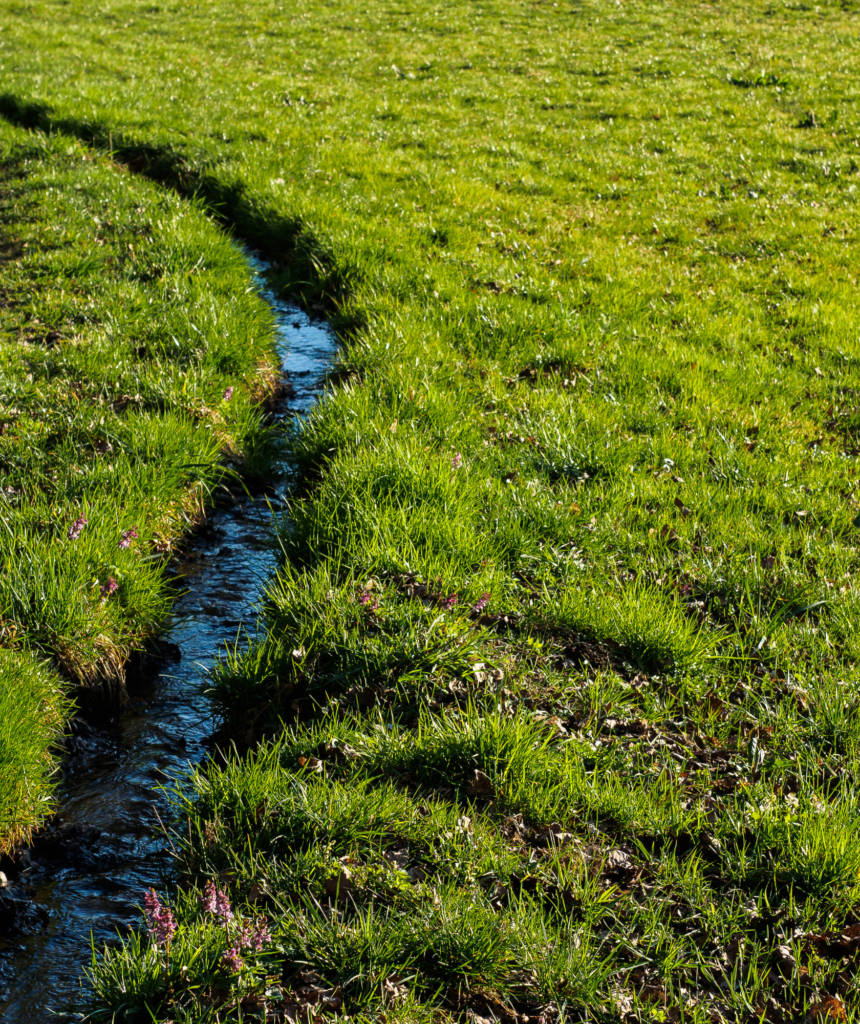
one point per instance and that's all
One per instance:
(393, 990)
(396, 858)
(552, 723)
(785, 959)
(829, 1008)
(256, 893)
(618, 860)
(417, 873)
(481, 785)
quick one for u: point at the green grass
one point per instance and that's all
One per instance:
(33, 706)
(126, 316)
(594, 271)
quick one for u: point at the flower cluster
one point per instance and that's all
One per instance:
(251, 936)
(450, 601)
(457, 461)
(108, 588)
(228, 394)
(369, 601)
(232, 959)
(159, 919)
(215, 901)
(76, 528)
(254, 936)
(126, 539)
(479, 606)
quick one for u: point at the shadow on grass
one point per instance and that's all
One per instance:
(305, 268)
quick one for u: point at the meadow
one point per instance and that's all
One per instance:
(552, 711)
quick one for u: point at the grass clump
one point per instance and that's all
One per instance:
(33, 707)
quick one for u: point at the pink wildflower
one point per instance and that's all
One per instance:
(222, 906)
(216, 901)
(207, 900)
(228, 394)
(232, 959)
(457, 461)
(126, 539)
(253, 936)
(482, 604)
(76, 528)
(369, 601)
(159, 919)
(260, 935)
(450, 601)
(108, 588)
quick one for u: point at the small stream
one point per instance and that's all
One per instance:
(89, 870)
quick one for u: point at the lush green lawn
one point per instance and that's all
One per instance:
(574, 549)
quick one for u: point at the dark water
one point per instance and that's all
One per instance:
(89, 873)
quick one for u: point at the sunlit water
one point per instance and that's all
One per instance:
(89, 875)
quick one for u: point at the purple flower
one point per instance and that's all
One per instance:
(108, 588)
(215, 901)
(76, 528)
(457, 461)
(159, 919)
(369, 601)
(253, 935)
(260, 936)
(232, 960)
(207, 900)
(126, 539)
(450, 601)
(482, 604)
(228, 394)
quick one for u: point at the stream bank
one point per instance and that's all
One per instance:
(87, 872)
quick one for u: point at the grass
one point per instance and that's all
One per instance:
(114, 433)
(33, 706)
(578, 512)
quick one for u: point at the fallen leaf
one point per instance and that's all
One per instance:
(830, 1008)
(396, 858)
(481, 785)
(393, 989)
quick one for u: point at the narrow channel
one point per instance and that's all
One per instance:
(87, 874)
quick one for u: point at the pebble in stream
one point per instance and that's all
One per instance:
(89, 874)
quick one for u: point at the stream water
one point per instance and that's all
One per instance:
(88, 872)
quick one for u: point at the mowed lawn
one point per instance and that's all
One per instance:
(553, 710)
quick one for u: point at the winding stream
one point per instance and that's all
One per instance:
(88, 872)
